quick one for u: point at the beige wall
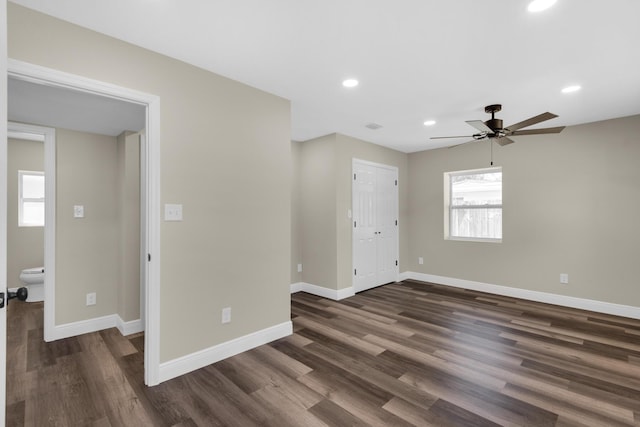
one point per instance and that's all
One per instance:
(86, 248)
(326, 197)
(128, 177)
(225, 155)
(318, 212)
(25, 245)
(570, 206)
(296, 206)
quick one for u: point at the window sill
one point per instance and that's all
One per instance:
(473, 239)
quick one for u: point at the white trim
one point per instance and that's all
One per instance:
(130, 327)
(83, 327)
(185, 364)
(297, 287)
(97, 324)
(50, 77)
(545, 297)
(321, 291)
(27, 136)
(3, 208)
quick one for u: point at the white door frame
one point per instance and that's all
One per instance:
(50, 77)
(354, 162)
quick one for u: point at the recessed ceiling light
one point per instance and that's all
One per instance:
(540, 5)
(570, 89)
(430, 123)
(350, 83)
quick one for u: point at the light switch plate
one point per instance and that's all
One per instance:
(172, 212)
(78, 211)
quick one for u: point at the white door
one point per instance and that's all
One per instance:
(375, 224)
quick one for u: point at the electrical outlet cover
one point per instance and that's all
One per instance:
(78, 211)
(226, 315)
(91, 298)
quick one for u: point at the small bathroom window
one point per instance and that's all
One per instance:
(30, 199)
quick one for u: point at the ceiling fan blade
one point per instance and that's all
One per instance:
(479, 124)
(537, 131)
(532, 121)
(504, 141)
(446, 137)
(457, 145)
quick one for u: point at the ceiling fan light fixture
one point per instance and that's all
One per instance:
(429, 122)
(572, 88)
(540, 5)
(350, 83)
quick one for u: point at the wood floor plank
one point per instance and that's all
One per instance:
(403, 354)
(15, 414)
(213, 400)
(334, 415)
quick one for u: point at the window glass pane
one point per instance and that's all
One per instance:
(32, 186)
(476, 223)
(33, 213)
(476, 189)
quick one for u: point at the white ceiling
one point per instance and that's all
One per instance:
(415, 59)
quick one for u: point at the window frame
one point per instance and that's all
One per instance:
(449, 207)
(22, 200)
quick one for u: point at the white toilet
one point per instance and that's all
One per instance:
(33, 278)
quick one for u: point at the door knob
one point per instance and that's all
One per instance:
(21, 293)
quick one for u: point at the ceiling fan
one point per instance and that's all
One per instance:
(493, 130)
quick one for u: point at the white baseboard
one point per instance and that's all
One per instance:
(191, 362)
(334, 294)
(563, 300)
(96, 324)
(130, 327)
(84, 327)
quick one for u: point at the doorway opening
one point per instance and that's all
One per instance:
(29, 149)
(149, 206)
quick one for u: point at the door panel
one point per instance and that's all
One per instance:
(364, 227)
(386, 191)
(375, 230)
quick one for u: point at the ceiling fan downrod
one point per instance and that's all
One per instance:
(494, 124)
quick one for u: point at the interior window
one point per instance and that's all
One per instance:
(31, 199)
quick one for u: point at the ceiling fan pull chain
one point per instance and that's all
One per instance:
(491, 145)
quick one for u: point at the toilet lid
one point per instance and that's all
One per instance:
(36, 270)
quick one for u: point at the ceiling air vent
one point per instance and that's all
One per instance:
(373, 126)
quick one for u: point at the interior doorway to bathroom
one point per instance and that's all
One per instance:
(145, 143)
(92, 224)
(26, 208)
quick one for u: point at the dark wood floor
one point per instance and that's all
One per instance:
(402, 354)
